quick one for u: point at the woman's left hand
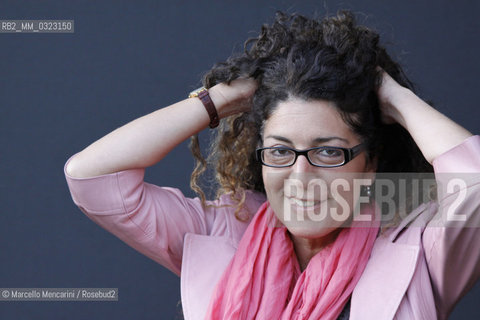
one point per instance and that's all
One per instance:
(433, 132)
(387, 93)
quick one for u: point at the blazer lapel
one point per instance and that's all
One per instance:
(205, 258)
(388, 273)
(384, 281)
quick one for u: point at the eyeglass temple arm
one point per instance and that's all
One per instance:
(355, 150)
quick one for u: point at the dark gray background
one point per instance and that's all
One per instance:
(60, 92)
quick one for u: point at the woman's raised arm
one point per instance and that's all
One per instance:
(146, 140)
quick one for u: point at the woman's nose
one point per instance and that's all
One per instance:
(302, 165)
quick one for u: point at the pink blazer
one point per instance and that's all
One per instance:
(419, 272)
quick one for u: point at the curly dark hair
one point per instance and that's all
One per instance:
(331, 59)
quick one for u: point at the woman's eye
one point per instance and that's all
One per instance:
(278, 152)
(329, 152)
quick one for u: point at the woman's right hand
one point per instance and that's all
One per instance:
(146, 140)
(233, 98)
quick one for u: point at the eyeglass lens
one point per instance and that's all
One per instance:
(321, 156)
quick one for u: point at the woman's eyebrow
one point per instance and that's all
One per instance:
(316, 140)
(279, 138)
(327, 139)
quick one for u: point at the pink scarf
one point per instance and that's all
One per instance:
(264, 281)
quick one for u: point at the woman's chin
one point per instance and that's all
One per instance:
(310, 231)
(311, 234)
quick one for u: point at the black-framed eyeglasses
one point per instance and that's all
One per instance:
(325, 157)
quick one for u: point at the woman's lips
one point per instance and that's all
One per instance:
(304, 203)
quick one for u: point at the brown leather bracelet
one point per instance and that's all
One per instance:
(203, 95)
(211, 110)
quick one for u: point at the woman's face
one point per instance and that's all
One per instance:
(304, 197)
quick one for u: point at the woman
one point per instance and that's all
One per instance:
(310, 103)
